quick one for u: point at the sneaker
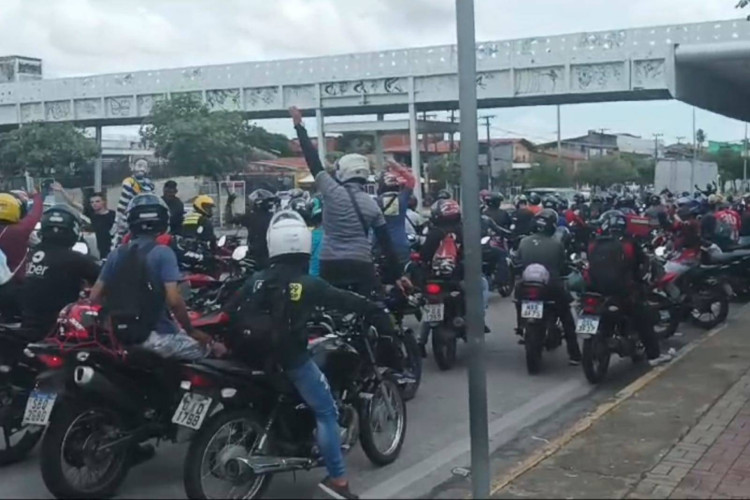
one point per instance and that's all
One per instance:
(664, 358)
(142, 453)
(333, 491)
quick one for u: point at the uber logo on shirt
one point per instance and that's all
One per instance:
(34, 268)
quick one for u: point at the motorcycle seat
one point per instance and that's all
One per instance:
(231, 367)
(726, 257)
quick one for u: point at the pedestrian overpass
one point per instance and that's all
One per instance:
(704, 64)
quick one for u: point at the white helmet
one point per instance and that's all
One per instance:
(353, 167)
(288, 234)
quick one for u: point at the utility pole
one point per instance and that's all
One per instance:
(487, 119)
(559, 140)
(467, 99)
(695, 154)
(453, 120)
(744, 163)
(656, 146)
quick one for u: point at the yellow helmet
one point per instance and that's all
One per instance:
(10, 209)
(203, 204)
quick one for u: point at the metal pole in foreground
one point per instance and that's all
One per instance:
(744, 164)
(467, 92)
(98, 161)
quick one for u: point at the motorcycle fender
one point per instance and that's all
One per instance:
(447, 333)
(52, 381)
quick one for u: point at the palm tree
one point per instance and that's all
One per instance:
(700, 138)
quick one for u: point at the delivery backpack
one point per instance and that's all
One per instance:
(135, 300)
(608, 267)
(261, 324)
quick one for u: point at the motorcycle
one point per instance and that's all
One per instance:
(538, 325)
(604, 329)
(444, 309)
(499, 274)
(203, 292)
(263, 427)
(101, 404)
(684, 288)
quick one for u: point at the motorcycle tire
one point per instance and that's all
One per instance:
(534, 337)
(507, 288)
(366, 427)
(65, 416)
(192, 470)
(414, 362)
(595, 359)
(665, 329)
(723, 300)
(444, 348)
(10, 419)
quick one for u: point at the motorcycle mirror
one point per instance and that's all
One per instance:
(512, 227)
(660, 251)
(222, 241)
(574, 257)
(239, 253)
(485, 240)
(81, 248)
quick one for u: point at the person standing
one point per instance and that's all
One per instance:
(137, 183)
(176, 207)
(102, 218)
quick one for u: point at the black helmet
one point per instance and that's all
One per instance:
(60, 226)
(579, 198)
(550, 202)
(262, 200)
(654, 200)
(546, 221)
(534, 199)
(494, 200)
(597, 198)
(147, 214)
(613, 223)
(444, 194)
(625, 201)
(302, 207)
(562, 204)
(445, 212)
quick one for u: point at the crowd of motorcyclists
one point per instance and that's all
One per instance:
(335, 256)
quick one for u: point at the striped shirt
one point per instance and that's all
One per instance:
(130, 188)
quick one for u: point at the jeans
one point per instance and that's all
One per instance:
(175, 345)
(313, 387)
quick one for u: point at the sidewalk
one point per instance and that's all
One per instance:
(685, 434)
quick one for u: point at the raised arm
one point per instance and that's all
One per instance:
(310, 152)
(405, 175)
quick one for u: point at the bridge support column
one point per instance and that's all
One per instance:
(319, 120)
(416, 161)
(98, 163)
(379, 159)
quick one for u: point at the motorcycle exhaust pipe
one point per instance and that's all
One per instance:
(88, 379)
(238, 467)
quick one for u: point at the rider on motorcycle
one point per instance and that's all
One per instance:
(289, 243)
(617, 265)
(524, 217)
(55, 272)
(542, 248)
(494, 212)
(257, 217)
(394, 190)
(198, 225)
(656, 212)
(535, 203)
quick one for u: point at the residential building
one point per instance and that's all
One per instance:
(596, 144)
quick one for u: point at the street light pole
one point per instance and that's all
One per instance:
(744, 164)
(472, 250)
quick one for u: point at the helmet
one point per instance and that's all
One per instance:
(613, 222)
(262, 199)
(296, 193)
(147, 214)
(445, 212)
(597, 198)
(684, 200)
(610, 197)
(60, 225)
(579, 198)
(413, 202)
(353, 167)
(625, 201)
(654, 200)
(302, 207)
(521, 199)
(550, 202)
(444, 194)
(714, 199)
(10, 209)
(288, 235)
(562, 203)
(388, 182)
(494, 200)
(140, 168)
(204, 205)
(23, 199)
(546, 221)
(535, 199)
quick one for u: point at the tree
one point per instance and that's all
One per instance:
(277, 144)
(700, 138)
(730, 163)
(445, 169)
(197, 141)
(547, 173)
(46, 149)
(604, 171)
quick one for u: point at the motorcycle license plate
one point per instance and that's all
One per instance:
(532, 309)
(587, 325)
(38, 408)
(192, 411)
(433, 312)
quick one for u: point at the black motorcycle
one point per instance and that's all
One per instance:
(259, 426)
(538, 323)
(605, 329)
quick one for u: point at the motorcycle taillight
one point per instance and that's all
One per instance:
(590, 304)
(532, 292)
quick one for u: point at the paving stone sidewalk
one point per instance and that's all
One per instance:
(713, 459)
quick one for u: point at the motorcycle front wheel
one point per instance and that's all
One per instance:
(210, 472)
(710, 308)
(383, 423)
(595, 359)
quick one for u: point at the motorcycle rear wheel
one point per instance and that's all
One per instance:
(712, 297)
(200, 455)
(444, 348)
(534, 343)
(595, 359)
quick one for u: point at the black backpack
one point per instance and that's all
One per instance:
(262, 323)
(135, 300)
(608, 267)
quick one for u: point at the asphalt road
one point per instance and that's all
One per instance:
(437, 430)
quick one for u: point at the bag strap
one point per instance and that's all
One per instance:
(393, 200)
(357, 210)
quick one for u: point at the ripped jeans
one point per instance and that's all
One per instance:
(175, 345)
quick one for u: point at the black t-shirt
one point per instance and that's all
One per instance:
(54, 276)
(176, 214)
(102, 225)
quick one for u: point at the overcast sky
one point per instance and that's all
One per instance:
(79, 37)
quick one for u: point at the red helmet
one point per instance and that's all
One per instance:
(76, 321)
(445, 212)
(484, 194)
